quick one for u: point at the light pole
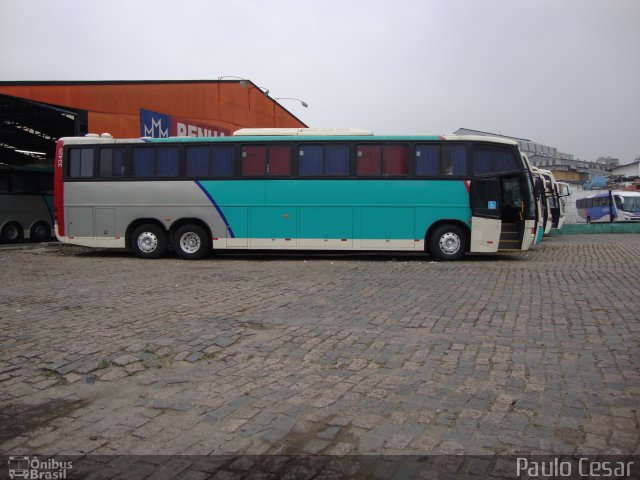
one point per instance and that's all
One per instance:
(302, 102)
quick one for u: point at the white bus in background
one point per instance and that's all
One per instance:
(555, 201)
(564, 191)
(542, 204)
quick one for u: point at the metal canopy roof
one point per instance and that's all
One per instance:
(28, 126)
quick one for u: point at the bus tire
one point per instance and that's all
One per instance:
(588, 219)
(40, 232)
(191, 242)
(149, 241)
(11, 233)
(448, 242)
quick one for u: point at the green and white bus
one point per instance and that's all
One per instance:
(26, 203)
(305, 189)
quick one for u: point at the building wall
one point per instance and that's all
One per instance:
(114, 107)
(631, 170)
(569, 176)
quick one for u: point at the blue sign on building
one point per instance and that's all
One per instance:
(154, 124)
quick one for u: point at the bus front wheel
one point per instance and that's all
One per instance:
(11, 233)
(149, 241)
(191, 242)
(448, 242)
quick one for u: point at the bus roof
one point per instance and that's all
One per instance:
(623, 193)
(291, 134)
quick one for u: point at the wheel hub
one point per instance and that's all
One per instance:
(147, 242)
(190, 242)
(450, 243)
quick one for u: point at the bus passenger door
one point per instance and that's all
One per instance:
(486, 212)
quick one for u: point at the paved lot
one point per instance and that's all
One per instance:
(536, 352)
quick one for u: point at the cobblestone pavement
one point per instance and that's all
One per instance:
(537, 352)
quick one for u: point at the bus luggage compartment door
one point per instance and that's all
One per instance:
(486, 211)
(80, 222)
(105, 219)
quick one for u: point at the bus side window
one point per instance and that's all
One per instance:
(491, 159)
(197, 162)
(310, 160)
(454, 160)
(336, 160)
(142, 163)
(111, 162)
(279, 160)
(45, 184)
(222, 160)
(395, 160)
(24, 183)
(4, 183)
(168, 162)
(323, 160)
(369, 160)
(155, 162)
(253, 161)
(427, 160)
(80, 162)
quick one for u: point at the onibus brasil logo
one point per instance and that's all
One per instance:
(34, 468)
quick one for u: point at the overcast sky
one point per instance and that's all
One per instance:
(565, 73)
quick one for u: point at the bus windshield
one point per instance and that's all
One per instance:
(630, 204)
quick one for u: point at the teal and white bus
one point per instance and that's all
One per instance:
(305, 189)
(26, 203)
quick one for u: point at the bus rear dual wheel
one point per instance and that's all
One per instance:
(190, 242)
(11, 232)
(40, 232)
(448, 242)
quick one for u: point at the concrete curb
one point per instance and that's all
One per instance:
(593, 228)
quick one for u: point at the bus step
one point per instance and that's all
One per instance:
(508, 249)
(509, 244)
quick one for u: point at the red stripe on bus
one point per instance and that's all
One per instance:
(58, 189)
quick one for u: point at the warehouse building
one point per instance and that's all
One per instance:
(35, 114)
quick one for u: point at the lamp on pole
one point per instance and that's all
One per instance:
(302, 102)
(244, 83)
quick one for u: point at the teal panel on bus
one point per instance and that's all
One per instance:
(387, 223)
(365, 209)
(326, 222)
(48, 200)
(238, 219)
(273, 222)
